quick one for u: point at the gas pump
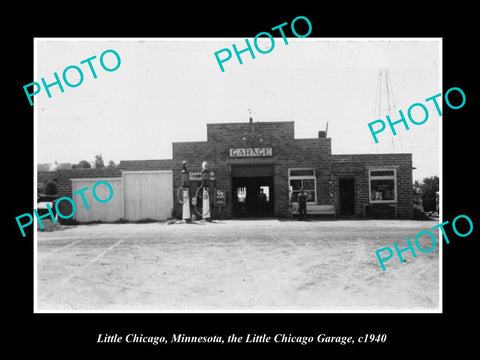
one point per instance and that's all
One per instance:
(204, 188)
(183, 193)
(205, 195)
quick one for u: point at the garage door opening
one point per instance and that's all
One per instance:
(252, 191)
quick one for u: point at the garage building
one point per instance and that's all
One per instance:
(244, 158)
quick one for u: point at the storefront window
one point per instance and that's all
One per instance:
(305, 178)
(383, 186)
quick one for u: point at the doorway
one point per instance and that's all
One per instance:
(252, 196)
(346, 187)
(252, 190)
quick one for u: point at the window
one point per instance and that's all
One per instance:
(383, 185)
(298, 178)
(241, 194)
(266, 191)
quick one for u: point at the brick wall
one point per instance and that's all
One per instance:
(401, 162)
(232, 133)
(288, 152)
(145, 165)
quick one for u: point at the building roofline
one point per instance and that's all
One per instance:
(255, 122)
(370, 154)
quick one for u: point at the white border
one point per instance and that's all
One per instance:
(35, 181)
(440, 178)
(369, 311)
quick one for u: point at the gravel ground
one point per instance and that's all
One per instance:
(235, 265)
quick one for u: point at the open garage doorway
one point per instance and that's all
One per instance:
(252, 191)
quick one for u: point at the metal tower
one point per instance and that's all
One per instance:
(385, 102)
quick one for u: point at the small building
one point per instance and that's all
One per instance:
(246, 157)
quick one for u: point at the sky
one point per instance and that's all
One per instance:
(167, 90)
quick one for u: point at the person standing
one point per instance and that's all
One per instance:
(262, 203)
(302, 204)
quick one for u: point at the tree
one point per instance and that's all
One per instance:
(111, 164)
(51, 188)
(429, 188)
(417, 187)
(430, 184)
(83, 164)
(99, 161)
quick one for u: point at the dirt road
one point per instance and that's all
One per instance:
(262, 265)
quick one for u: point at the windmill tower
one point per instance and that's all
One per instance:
(385, 103)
